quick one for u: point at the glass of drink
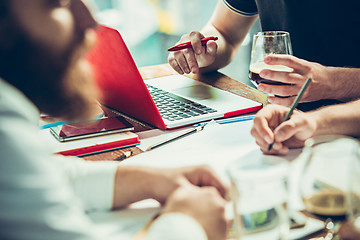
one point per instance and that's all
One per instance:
(264, 44)
(326, 178)
(330, 182)
(259, 196)
(351, 230)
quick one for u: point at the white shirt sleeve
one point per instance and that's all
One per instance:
(40, 196)
(93, 182)
(37, 200)
(176, 226)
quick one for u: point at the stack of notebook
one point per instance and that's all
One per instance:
(80, 139)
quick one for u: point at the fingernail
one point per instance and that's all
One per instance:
(270, 100)
(198, 51)
(261, 88)
(193, 70)
(267, 139)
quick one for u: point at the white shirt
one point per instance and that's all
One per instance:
(45, 196)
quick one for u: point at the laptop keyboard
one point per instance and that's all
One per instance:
(173, 107)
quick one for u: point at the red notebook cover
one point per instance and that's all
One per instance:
(96, 144)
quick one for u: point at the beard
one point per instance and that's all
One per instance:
(60, 85)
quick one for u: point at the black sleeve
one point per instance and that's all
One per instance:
(244, 7)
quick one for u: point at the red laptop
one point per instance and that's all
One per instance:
(165, 102)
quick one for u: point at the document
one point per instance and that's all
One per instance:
(217, 145)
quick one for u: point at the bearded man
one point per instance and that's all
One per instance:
(44, 196)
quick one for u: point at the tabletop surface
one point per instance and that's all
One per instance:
(215, 79)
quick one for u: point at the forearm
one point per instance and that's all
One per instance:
(225, 51)
(132, 184)
(231, 28)
(338, 119)
(346, 82)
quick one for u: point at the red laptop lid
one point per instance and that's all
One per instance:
(119, 80)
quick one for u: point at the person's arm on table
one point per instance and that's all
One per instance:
(106, 185)
(338, 119)
(98, 183)
(327, 82)
(230, 27)
(158, 184)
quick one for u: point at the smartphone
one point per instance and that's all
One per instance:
(100, 127)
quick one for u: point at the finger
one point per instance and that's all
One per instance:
(262, 136)
(191, 60)
(220, 186)
(277, 149)
(287, 102)
(283, 77)
(174, 64)
(181, 61)
(211, 48)
(288, 129)
(299, 65)
(262, 145)
(273, 114)
(214, 194)
(279, 90)
(205, 176)
(195, 39)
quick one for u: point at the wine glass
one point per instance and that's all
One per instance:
(264, 44)
(326, 180)
(259, 196)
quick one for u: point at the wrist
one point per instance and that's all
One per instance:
(343, 83)
(326, 83)
(317, 119)
(335, 84)
(125, 191)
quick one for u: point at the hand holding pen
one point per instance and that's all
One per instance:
(185, 45)
(201, 52)
(277, 127)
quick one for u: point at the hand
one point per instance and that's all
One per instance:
(191, 59)
(289, 134)
(203, 204)
(164, 182)
(319, 88)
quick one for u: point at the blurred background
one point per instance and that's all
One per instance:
(150, 27)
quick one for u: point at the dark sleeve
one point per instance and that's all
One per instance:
(244, 7)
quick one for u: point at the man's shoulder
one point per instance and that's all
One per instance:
(243, 7)
(15, 105)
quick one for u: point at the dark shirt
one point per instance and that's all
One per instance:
(323, 31)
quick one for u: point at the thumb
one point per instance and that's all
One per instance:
(211, 48)
(286, 130)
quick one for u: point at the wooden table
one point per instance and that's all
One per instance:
(215, 79)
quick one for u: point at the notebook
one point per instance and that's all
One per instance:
(124, 90)
(87, 146)
(94, 128)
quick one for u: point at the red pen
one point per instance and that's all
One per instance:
(184, 45)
